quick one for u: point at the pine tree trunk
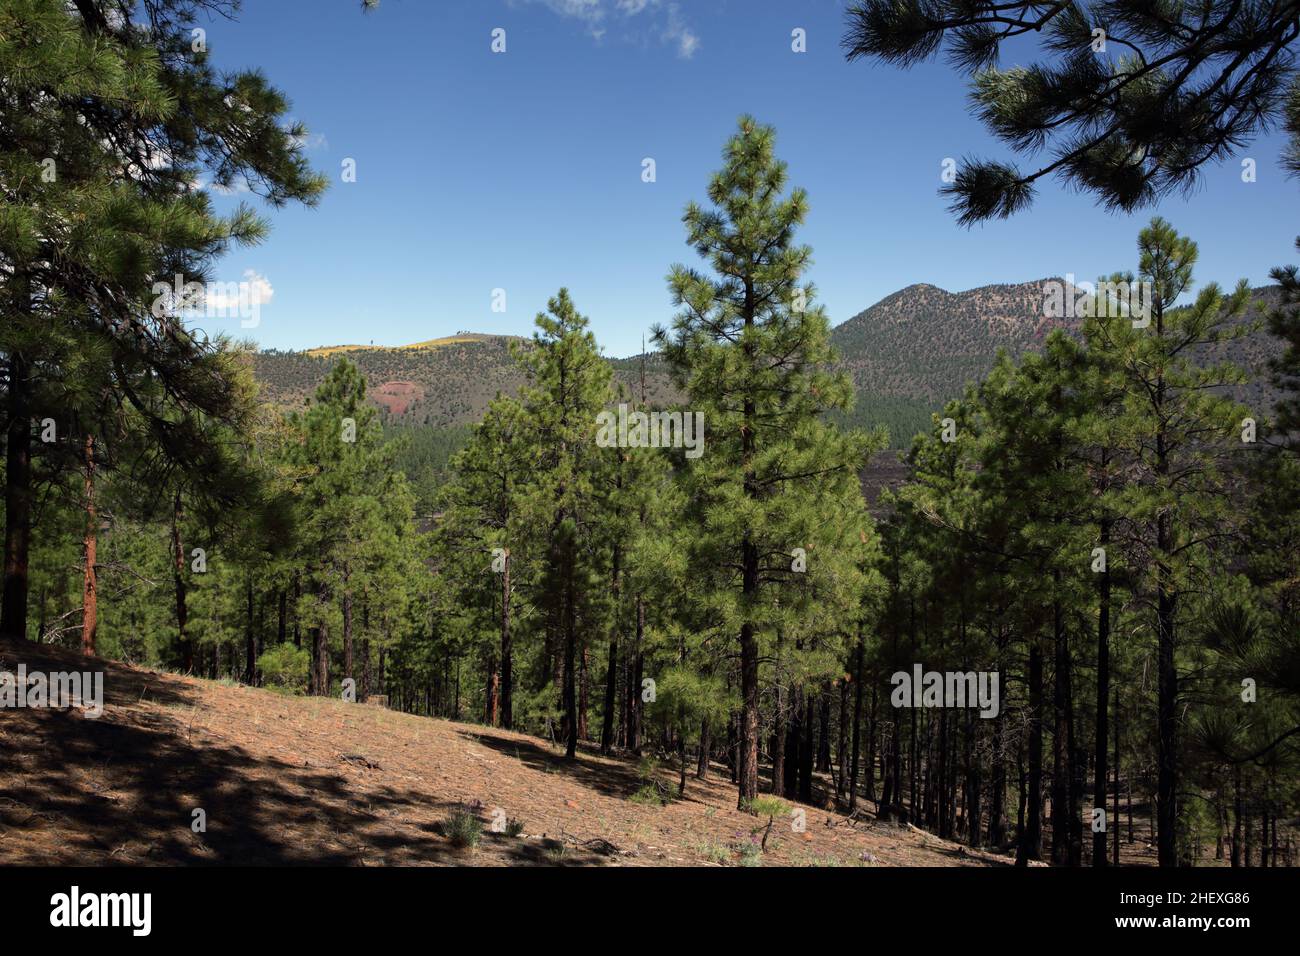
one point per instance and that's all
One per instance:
(347, 624)
(282, 616)
(997, 830)
(89, 588)
(1099, 771)
(807, 754)
(824, 729)
(873, 735)
(779, 720)
(321, 649)
(842, 743)
(1167, 779)
(507, 652)
(250, 640)
(749, 689)
(1167, 706)
(178, 581)
(702, 769)
(634, 686)
(1031, 838)
(1060, 778)
(490, 691)
(857, 722)
(793, 744)
(1115, 824)
(570, 655)
(18, 494)
(584, 690)
(297, 621)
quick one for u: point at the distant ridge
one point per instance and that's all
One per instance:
(907, 354)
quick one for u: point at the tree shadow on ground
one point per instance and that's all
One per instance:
(123, 788)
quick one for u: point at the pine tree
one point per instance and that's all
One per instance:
(1132, 100)
(750, 349)
(568, 385)
(1182, 436)
(112, 114)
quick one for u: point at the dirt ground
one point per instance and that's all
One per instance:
(285, 780)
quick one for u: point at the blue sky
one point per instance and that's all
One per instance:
(521, 171)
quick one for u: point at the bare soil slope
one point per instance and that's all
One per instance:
(287, 780)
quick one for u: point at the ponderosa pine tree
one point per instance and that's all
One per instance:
(750, 350)
(112, 112)
(479, 535)
(1130, 99)
(344, 474)
(568, 385)
(1182, 434)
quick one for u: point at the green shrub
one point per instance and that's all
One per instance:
(751, 854)
(285, 666)
(650, 795)
(463, 829)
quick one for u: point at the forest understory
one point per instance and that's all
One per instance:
(288, 780)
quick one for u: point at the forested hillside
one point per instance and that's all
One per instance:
(356, 597)
(906, 355)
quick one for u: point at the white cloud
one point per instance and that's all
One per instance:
(254, 290)
(678, 32)
(664, 19)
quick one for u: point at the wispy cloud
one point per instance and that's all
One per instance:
(661, 19)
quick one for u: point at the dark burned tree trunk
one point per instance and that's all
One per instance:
(706, 742)
(793, 743)
(779, 719)
(611, 670)
(367, 685)
(1115, 823)
(997, 828)
(282, 616)
(297, 621)
(490, 690)
(857, 722)
(18, 491)
(250, 638)
(748, 772)
(507, 651)
(637, 674)
(842, 743)
(1060, 737)
(807, 755)
(570, 654)
(347, 623)
(1099, 771)
(178, 581)
(584, 689)
(873, 738)
(1031, 835)
(824, 729)
(320, 651)
(1167, 777)
(89, 588)
(1237, 816)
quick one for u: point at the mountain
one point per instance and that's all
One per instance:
(907, 355)
(441, 383)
